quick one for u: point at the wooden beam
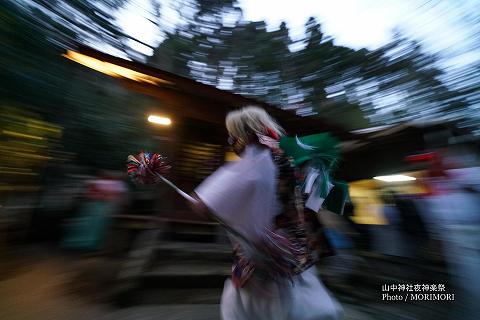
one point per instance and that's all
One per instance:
(216, 102)
(181, 104)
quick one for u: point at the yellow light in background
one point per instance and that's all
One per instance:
(395, 178)
(112, 69)
(231, 156)
(21, 135)
(164, 121)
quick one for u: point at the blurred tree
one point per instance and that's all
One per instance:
(248, 59)
(83, 103)
(173, 53)
(406, 84)
(354, 88)
(92, 22)
(215, 45)
(27, 61)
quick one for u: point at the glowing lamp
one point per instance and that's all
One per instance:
(164, 121)
(395, 178)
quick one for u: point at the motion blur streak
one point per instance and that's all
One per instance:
(112, 69)
(396, 83)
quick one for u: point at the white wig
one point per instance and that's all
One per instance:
(242, 123)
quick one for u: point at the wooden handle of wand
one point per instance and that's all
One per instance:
(177, 189)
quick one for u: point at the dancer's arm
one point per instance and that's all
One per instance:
(199, 207)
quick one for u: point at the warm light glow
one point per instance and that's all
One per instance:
(231, 156)
(112, 69)
(159, 120)
(395, 178)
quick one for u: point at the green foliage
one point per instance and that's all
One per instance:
(89, 21)
(101, 121)
(352, 88)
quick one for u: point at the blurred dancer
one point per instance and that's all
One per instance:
(258, 197)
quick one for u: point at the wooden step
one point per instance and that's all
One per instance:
(170, 296)
(186, 274)
(195, 232)
(181, 250)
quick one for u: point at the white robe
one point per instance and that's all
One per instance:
(243, 195)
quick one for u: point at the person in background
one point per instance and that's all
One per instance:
(105, 195)
(394, 238)
(453, 208)
(413, 226)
